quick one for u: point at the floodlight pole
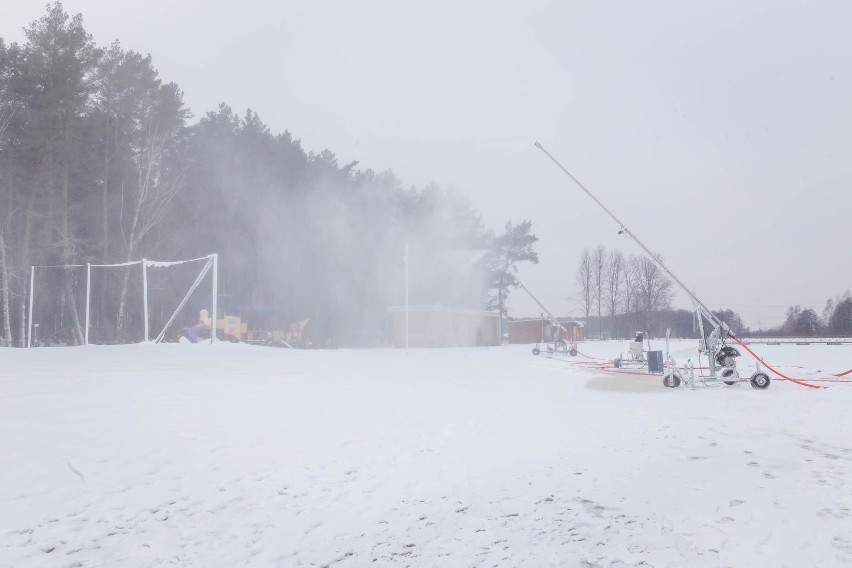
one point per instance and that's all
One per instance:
(215, 295)
(30, 319)
(406, 296)
(145, 296)
(88, 300)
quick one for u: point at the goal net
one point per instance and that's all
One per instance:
(132, 302)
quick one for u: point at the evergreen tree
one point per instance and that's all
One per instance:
(807, 323)
(841, 319)
(732, 319)
(59, 64)
(100, 164)
(508, 250)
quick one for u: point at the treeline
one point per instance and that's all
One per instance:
(100, 163)
(620, 294)
(682, 323)
(835, 320)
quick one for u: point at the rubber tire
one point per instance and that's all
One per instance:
(561, 347)
(671, 380)
(536, 350)
(731, 373)
(760, 381)
(573, 352)
(617, 363)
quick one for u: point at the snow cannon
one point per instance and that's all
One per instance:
(721, 357)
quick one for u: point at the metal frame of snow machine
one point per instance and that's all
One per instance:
(635, 358)
(722, 359)
(560, 345)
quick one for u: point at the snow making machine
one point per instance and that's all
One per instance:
(561, 344)
(722, 358)
(635, 357)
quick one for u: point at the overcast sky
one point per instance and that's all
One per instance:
(719, 132)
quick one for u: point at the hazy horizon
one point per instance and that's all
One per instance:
(717, 133)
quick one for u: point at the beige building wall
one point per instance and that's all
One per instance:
(444, 327)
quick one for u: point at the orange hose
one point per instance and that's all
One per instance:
(746, 347)
(782, 375)
(587, 357)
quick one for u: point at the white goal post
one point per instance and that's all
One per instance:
(212, 262)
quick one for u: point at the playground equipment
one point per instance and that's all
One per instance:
(721, 357)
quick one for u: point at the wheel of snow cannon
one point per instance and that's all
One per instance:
(561, 347)
(617, 363)
(671, 380)
(729, 373)
(536, 350)
(760, 381)
(572, 352)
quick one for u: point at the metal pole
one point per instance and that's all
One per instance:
(30, 320)
(668, 334)
(215, 296)
(540, 305)
(624, 229)
(145, 296)
(88, 300)
(198, 279)
(406, 295)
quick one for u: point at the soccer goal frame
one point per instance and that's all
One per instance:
(212, 262)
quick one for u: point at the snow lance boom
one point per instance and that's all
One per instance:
(560, 345)
(722, 358)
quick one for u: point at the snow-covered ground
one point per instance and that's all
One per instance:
(233, 455)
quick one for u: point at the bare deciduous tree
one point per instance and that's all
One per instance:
(5, 290)
(613, 290)
(585, 282)
(144, 204)
(598, 278)
(629, 288)
(6, 112)
(655, 289)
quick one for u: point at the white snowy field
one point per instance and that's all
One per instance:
(233, 455)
